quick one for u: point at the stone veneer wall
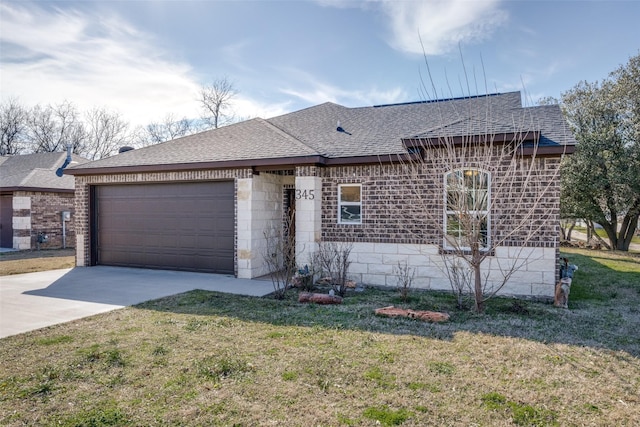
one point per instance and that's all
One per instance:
(259, 211)
(37, 211)
(308, 212)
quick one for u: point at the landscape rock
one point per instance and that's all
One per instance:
(319, 298)
(429, 316)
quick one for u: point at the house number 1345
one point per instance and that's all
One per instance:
(305, 194)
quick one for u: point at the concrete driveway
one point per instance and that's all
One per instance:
(35, 300)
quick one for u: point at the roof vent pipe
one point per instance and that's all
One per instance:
(341, 129)
(125, 149)
(60, 170)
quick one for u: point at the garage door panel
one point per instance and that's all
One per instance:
(186, 226)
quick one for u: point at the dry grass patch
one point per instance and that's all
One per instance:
(32, 261)
(204, 358)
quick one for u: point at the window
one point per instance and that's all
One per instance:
(467, 209)
(349, 204)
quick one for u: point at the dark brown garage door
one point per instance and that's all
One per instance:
(186, 226)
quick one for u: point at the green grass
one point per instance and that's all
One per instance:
(521, 414)
(205, 358)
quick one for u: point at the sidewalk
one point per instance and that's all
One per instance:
(578, 235)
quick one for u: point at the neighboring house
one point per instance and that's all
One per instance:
(203, 202)
(33, 199)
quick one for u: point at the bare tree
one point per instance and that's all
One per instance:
(106, 132)
(491, 190)
(492, 193)
(53, 127)
(215, 101)
(279, 255)
(13, 121)
(169, 128)
(478, 186)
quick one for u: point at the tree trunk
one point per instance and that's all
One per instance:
(573, 224)
(612, 235)
(591, 232)
(629, 226)
(477, 287)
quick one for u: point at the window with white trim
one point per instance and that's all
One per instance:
(349, 204)
(467, 200)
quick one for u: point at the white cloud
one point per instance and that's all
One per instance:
(319, 92)
(441, 24)
(51, 55)
(246, 108)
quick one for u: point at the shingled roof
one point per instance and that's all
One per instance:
(36, 172)
(330, 131)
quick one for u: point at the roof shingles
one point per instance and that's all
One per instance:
(36, 172)
(368, 131)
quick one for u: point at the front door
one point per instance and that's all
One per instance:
(6, 221)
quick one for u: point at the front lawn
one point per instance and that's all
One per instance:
(205, 358)
(20, 262)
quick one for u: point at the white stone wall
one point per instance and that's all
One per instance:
(259, 210)
(308, 216)
(80, 251)
(22, 203)
(373, 264)
(244, 189)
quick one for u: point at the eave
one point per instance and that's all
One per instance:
(255, 164)
(498, 138)
(37, 189)
(528, 140)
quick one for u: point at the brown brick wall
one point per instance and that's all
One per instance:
(46, 209)
(396, 197)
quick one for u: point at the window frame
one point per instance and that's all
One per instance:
(485, 213)
(342, 204)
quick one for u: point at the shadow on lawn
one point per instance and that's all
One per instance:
(600, 315)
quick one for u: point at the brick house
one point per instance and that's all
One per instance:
(203, 202)
(32, 200)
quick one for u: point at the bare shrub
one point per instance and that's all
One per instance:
(279, 256)
(405, 276)
(332, 258)
(459, 275)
